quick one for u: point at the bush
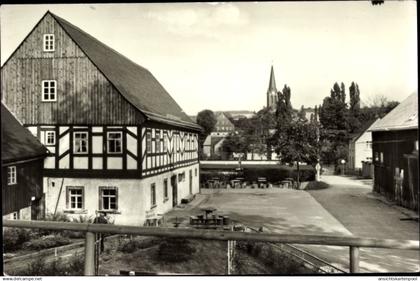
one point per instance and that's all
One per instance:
(13, 238)
(46, 242)
(313, 185)
(135, 244)
(78, 234)
(175, 250)
(70, 267)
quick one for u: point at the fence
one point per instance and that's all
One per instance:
(354, 243)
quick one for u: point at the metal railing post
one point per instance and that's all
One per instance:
(354, 259)
(90, 254)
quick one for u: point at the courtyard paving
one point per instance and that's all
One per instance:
(346, 208)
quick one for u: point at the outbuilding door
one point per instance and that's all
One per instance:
(174, 191)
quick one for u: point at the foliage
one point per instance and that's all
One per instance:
(13, 238)
(138, 243)
(314, 185)
(175, 250)
(207, 120)
(72, 266)
(46, 242)
(272, 257)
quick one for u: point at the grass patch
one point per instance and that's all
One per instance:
(73, 266)
(314, 185)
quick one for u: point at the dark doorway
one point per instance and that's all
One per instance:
(37, 208)
(174, 185)
(190, 181)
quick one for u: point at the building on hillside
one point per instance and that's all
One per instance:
(119, 142)
(272, 96)
(213, 149)
(360, 148)
(395, 153)
(238, 114)
(22, 159)
(223, 125)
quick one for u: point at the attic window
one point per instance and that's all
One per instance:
(49, 43)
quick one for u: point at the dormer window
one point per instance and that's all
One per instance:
(49, 43)
(49, 90)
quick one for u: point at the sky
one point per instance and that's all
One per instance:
(218, 55)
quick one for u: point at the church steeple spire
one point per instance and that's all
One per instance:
(272, 91)
(272, 84)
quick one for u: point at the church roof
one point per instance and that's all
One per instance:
(134, 82)
(272, 83)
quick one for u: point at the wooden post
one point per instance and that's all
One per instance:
(354, 259)
(90, 254)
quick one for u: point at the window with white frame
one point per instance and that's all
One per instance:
(148, 142)
(49, 45)
(75, 197)
(49, 90)
(80, 142)
(114, 142)
(49, 138)
(11, 175)
(153, 194)
(108, 198)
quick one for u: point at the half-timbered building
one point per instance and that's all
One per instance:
(22, 159)
(119, 142)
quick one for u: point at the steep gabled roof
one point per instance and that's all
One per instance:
(402, 117)
(133, 81)
(17, 143)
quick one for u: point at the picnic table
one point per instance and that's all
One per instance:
(208, 210)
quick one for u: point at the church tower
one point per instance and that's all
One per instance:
(272, 92)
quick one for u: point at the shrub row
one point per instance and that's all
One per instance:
(72, 266)
(251, 174)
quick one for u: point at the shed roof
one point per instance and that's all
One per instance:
(402, 117)
(133, 81)
(364, 129)
(17, 143)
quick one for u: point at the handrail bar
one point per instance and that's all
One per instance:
(219, 235)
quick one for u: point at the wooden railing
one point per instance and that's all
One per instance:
(354, 243)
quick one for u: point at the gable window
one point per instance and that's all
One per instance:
(148, 142)
(75, 197)
(108, 198)
(49, 43)
(114, 142)
(165, 190)
(153, 195)
(157, 141)
(49, 90)
(50, 138)
(11, 175)
(80, 142)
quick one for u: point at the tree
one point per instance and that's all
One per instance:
(333, 116)
(354, 108)
(298, 143)
(301, 114)
(207, 120)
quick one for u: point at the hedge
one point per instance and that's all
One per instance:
(251, 174)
